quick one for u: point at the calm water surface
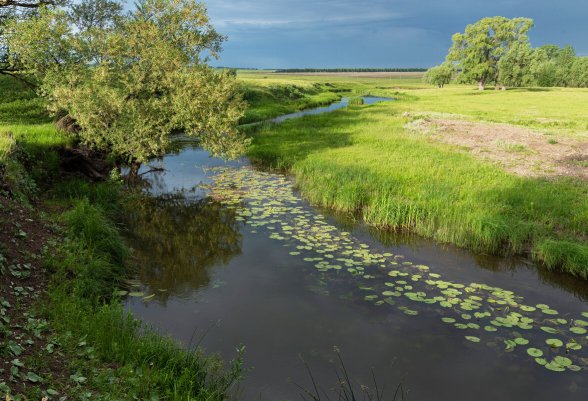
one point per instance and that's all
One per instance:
(234, 256)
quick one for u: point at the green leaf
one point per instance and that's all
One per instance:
(554, 342)
(549, 330)
(33, 377)
(578, 330)
(562, 361)
(535, 352)
(472, 339)
(521, 341)
(554, 367)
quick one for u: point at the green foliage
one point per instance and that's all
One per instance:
(132, 83)
(515, 67)
(439, 75)
(497, 50)
(95, 14)
(579, 73)
(477, 52)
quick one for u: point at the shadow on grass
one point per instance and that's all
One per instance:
(279, 146)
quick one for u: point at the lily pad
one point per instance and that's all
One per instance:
(535, 352)
(554, 367)
(554, 342)
(578, 330)
(562, 361)
(521, 341)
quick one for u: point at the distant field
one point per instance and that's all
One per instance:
(358, 82)
(397, 75)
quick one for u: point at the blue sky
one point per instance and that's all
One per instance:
(375, 33)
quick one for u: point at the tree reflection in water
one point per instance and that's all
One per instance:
(176, 242)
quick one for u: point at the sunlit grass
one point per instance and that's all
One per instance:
(363, 160)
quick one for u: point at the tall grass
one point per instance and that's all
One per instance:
(363, 161)
(268, 101)
(87, 271)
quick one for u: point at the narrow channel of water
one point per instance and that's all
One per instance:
(231, 255)
(344, 102)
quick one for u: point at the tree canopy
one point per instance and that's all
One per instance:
(477, 52)
(496, 50)
(129, 82)
(439, 75)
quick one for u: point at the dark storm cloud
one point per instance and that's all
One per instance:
(376, 33)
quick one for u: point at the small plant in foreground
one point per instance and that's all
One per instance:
(345, 389)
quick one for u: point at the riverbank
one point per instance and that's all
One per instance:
(63, 330)
(369, 161)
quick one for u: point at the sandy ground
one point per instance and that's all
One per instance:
(517, 149)
(397, 75)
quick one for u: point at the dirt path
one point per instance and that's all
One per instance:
(518, 150)
(25, 338)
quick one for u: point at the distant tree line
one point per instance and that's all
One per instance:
(496, 51)
(296, 70)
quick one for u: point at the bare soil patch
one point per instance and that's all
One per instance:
(25, 337)
(518, 150)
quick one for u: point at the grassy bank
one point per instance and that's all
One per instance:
(365, 160)
(271, 99)
(63, 331)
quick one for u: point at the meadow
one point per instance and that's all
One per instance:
(398, 165)
(367, 160)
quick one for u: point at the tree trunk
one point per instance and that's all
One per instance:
(134, 170)
(481, 85)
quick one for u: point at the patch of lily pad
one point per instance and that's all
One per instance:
(267, 203)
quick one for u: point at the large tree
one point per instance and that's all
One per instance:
(137, 82)
(477, 52)
(515, 68)
(439, 75)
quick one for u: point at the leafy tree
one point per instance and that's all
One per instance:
(477, 52)
(16, 10)
(515, 68)
(543, 68)
(564, 62)
(579, 73)
(95, 14)
(142, 79)
(439, 75)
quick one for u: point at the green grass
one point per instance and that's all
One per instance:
(267, 101)
(108, 354)
(87, 271)
(363, 160)
(27, 133)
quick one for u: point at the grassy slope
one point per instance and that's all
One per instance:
(363, 160)
(271, 98)
(103, 352)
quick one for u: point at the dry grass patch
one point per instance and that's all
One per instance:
(518, 150)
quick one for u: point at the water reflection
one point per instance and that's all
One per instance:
(177, 242)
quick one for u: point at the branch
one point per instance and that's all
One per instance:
(15, 75)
